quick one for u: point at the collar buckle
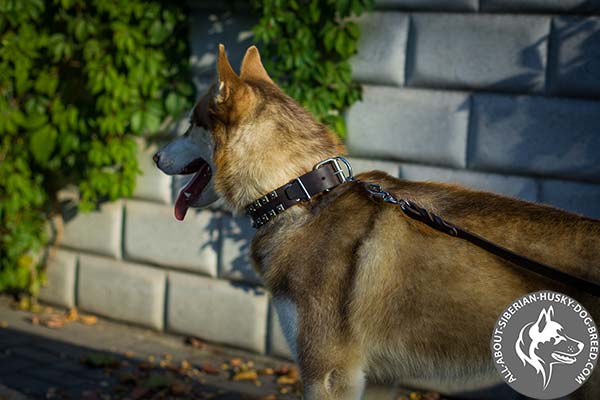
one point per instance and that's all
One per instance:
(343, 176)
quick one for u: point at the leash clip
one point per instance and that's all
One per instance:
(376, 191)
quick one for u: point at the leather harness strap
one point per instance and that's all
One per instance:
(328, 174)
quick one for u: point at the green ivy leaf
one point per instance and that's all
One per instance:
(42, 143)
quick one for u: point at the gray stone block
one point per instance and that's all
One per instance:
(409, 125)
(428, 5)
(97, 231)
(513, 186)
(499, 52)
(120, 290)
(209, 29)
(575, 6)
(580, 198)
(574, 66)
(278, 345)
(360, 165)
(237, 234)
(152, 184)
(381, 48)
(152, 234)
(535, 135)
(217, 311)
(61, 272)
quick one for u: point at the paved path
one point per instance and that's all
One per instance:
(108, 360)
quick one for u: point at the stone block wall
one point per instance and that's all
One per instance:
(497, 95)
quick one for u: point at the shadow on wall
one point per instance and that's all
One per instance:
(207, 31)
(547, 137)
(529, 57)
(233, 247)
(575, 44)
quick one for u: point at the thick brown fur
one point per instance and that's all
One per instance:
(374, 290)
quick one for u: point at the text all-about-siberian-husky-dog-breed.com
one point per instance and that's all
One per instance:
(361, 289)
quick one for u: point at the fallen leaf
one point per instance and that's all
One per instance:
(185, 365)
(415, 396)
(88, 319)
(35, 320)
(266, 371)
(235, 362)
(210, 369)
(286, 380)
(54, 322)
(246, 376)
(72, 314)
(3, 324)
(35, 308)
(294, 373)
(194, 342)
(282, 369)
(24, 304)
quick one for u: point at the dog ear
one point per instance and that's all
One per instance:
(543, 319)
(252, 67)
(227, 78)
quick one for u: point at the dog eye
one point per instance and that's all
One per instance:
(558, 339)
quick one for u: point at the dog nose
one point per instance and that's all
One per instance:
(156, 157)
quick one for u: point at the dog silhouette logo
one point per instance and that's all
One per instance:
(543, 344)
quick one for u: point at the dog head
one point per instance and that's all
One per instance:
(246, 138)
(544, 343)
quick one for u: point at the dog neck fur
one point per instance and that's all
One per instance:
(264, 138)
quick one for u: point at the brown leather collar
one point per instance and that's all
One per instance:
(325, 176)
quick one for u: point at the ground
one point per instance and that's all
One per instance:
(62, 354)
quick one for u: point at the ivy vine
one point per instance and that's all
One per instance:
(307, 46)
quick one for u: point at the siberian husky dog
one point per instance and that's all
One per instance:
(360, 288)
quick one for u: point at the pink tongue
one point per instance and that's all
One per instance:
(191, 191)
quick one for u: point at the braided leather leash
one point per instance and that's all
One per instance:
(418, 213)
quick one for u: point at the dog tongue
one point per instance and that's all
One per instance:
(191, 191)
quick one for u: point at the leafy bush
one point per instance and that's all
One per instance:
(306, 45)
(78, 79)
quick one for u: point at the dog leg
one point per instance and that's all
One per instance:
(337, 384)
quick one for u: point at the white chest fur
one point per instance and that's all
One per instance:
(288, 319)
